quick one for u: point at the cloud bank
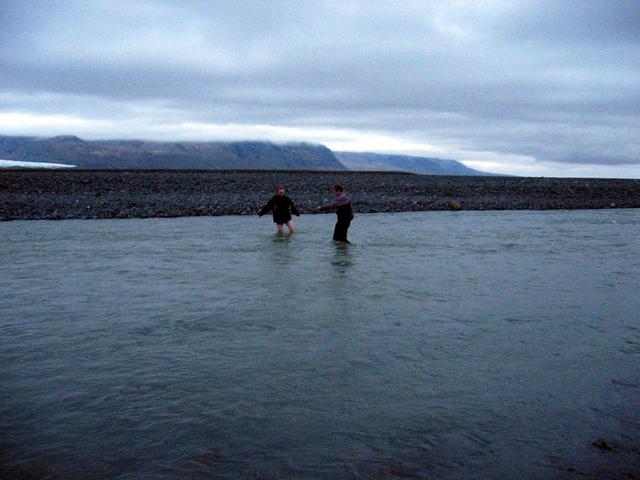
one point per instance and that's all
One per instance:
(534, 88)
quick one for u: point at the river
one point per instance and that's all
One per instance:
(437, 345)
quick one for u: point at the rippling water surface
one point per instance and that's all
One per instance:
(438, 345)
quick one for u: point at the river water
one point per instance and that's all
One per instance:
(437, 345)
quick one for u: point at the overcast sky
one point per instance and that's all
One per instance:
(548, 88)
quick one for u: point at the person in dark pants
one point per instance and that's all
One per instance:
(344, 211)
(282, 208)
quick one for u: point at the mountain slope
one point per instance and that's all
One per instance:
(405, 163)
(182, 155)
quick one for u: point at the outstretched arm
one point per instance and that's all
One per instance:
(267, 207)
(331, 206)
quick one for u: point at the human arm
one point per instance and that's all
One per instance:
(268, 207)
(338, 202)
(295, 210)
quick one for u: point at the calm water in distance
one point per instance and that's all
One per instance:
(438, 345)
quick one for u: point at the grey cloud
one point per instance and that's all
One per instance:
(553, 80)
(577, 22)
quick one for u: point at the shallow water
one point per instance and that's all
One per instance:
(438, 345)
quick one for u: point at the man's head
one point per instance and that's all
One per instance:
(280, 190)
(337, 189)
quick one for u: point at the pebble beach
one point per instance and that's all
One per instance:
(93, 194)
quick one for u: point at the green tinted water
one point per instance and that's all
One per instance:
(446, 345)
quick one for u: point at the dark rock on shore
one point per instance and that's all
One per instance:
(602, 445)
(65, 194)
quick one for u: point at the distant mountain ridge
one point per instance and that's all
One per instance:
(405, 163)
(134, 154)
(179, 155)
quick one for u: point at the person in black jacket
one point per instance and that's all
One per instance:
(282, 208)
(344, 211)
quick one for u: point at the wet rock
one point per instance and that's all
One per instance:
(602, 445)
(455, 205)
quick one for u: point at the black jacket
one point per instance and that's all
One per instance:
(282, 207)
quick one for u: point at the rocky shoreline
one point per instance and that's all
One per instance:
(69, 194)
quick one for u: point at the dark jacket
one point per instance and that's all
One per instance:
(282, 207)
(343, 208)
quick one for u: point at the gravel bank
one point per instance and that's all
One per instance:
(64, 194)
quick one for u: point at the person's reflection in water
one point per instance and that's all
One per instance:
(339, 287)
(281, 250)
(342, 258)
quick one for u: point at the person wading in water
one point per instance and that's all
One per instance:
(282, 208)
(344, 210)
